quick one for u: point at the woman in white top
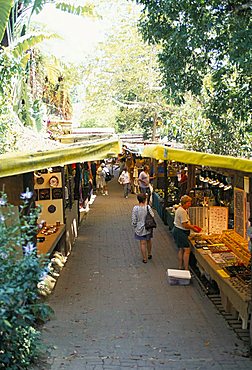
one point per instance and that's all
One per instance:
(124, 179)
(181, 231)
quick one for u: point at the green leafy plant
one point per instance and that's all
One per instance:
(20, 271)
(206, 40)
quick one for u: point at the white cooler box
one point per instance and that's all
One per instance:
(178, 277)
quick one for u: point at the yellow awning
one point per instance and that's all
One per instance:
(18, 163)
(202, 159)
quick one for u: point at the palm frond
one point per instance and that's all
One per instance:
(87, 10)
(37, 6)
(25, 60)
(5, 6)
(26, 42)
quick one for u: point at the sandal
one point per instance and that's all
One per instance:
(144, 261)
(150, 257)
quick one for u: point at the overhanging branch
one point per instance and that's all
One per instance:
(135, 104)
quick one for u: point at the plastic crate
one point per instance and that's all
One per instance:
(178, 277)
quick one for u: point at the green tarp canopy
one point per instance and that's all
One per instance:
(163, 152)
(18, 163)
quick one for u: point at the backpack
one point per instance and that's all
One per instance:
(108, 176)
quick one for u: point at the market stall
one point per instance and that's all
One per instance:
(44, 173)
(221, 188)
(224, 257)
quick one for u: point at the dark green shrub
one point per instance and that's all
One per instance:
(20, 270)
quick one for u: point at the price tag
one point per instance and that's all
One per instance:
(223, 273)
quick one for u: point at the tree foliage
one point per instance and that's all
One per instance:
(123, 81)
(201, 38)
(26, 84)
(188, 124)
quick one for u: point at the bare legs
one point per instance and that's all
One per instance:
(143, 250)
(145, 247)
(183, 258)
(149, 246)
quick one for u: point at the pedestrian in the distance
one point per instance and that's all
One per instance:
(138, 221)
(107, 176)
(135, 180)
(144, 182)
(124, 179)
(100, 179)
(249, 234)
(181, 231)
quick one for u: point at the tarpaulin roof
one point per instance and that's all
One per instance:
(202, 159)
(18, 163)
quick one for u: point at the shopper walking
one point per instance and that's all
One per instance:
(107, 177)
(144, 236)
(100, 179)
(144, 182)
(135, 180)
(124, 179)
(181, 231)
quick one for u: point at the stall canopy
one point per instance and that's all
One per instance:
(163, 152)
(18, 163)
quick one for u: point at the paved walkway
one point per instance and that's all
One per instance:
(114, 312)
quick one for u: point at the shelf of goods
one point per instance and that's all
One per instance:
(226, 259)
(158, 204)
(169, 217)
(49, 237)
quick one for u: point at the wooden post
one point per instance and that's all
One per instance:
(165, 185)
(154, 128)
(191, 181)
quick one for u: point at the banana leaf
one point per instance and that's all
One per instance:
(5, 6)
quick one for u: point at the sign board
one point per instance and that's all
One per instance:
(218, 219)
(239, 211)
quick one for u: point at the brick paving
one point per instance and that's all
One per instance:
(114, 312)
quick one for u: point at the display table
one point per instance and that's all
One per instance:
(169, 218)
(232, 296)
(158, 204)
(51, 241)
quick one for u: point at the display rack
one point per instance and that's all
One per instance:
(218, 255)
(218, 220)
(239, 211)
(199, 216)
(212, 220)
(51, 241)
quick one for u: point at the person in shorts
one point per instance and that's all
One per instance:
(138, 221)
(181, 231)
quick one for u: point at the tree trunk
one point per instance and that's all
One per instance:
(191, 182)
(154, 128)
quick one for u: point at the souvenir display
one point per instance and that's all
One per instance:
(57, 193)
(54, 181)
(40, 180)
(51, 208)
(44, 194)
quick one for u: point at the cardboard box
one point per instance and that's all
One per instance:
(178, 277)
